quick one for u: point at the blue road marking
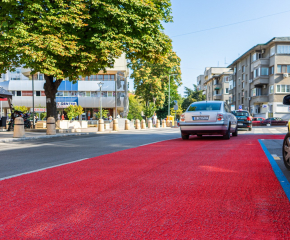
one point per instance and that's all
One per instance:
(279, 174)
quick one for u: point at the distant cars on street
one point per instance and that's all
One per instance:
(275, 121)
(208, 118)
(244, 119)
(256, 121)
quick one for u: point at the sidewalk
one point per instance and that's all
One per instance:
(41, 133)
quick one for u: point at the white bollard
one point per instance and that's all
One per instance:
(149, 123)
(50, 126)
(115, 125)
(143, 124)
(101, 125)
(137, 124)
(158, 123)
(163, 123)
(18, 128)
(127, 124)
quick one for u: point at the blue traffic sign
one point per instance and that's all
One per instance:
(240, 107)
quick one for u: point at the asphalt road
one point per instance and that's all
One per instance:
(26, 156)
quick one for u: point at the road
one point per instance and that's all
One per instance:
(22, 157)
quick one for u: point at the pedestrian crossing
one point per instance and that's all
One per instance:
(265, 130)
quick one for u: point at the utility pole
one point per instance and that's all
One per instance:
(169, 94)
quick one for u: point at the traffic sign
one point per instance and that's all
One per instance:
(175, 107)
(240, 107)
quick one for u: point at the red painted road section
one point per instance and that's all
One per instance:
(206, 188)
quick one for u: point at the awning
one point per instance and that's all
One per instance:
(5, 94)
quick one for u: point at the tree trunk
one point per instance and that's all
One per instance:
(50, 88)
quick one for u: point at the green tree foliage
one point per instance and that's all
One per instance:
(151, 80)
(21, 108)
(149, 110)
(42, 115)
(67, 38)
(73, 111)
(104, 114)
(192, 96)
(135, 108)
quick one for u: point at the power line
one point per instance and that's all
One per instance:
(249, 20)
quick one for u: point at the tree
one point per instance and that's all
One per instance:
(23, 109)
(149, 110)
(66, 38)
(135, 108)
(192, 96)
(104, 114)
(151, 80)
(73, 111)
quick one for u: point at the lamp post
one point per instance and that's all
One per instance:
(33, 114)
(100, 85)
(169, 94)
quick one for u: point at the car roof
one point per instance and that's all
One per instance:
(209, 102)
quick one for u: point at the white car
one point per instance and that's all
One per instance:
(208, 118)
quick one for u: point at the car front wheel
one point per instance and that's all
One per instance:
(286, 151)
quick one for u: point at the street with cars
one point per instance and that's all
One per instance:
(146, 184)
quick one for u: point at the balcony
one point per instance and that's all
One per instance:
(217, 86)
(261, 80)
(232, 91)
(261, 61)
(260, 99)
(217, 97)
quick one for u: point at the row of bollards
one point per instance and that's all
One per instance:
(51, 130)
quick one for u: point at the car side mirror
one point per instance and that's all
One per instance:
(286, 100)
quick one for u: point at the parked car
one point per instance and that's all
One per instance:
(208, 118)
(256, 121)
(244, 119)
(275, 121)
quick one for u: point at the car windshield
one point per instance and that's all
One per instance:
(204, 106)
(241, 113)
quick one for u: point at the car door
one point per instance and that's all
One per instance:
(231, 118)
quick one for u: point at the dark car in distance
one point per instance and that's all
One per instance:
(256, 121)
(244, 119)
(275, 121)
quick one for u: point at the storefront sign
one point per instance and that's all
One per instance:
(65, 104)
(3, 99)
(38, 110)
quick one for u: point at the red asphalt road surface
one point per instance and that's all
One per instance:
(203, 188)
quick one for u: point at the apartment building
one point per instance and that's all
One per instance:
(200, 83)
(216, 83)
(261, 79)
(85, 92)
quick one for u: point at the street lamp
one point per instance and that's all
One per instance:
(100, 85)
(169, 94)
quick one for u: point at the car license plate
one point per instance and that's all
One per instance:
(200, 118)
(240, 124)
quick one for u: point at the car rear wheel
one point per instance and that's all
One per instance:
(228, 133)
(250, 129)
(235, 133)
(286, 151)
(184, 136)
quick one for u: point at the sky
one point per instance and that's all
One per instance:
(201, 38)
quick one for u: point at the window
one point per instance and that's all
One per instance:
(37, 93)
(243, 76)
(256, 72)
(65, 94)
(272, 51)
(110, 94)
(95, 94)
(40, 76)
(18, 93)
(253, 92)
(226, 79)
(204, 107)
(215, 82)
(59, 94)
(246, 77)
(282, 88)
(243, 85)
(283, 68)
(264, 71)
(13, 93)
(239, 65)
(227, 90)
(283, 49)
(271, 89)
(88, 94)
(104, 94)
(271, 70)
(82, 94)
(243, 68)
(235, 70)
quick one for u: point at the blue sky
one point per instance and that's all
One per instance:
(211, 48)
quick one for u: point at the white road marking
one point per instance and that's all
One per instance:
(41, 169)
(158, 142)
